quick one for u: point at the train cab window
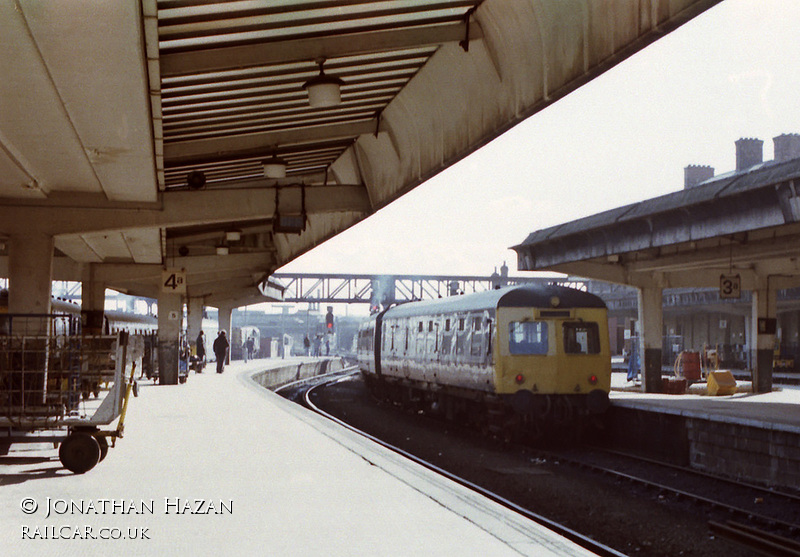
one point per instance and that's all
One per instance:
(527, 337)
(581, 338)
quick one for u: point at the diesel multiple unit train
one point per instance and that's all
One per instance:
(522, 359)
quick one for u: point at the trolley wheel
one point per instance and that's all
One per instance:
(102, 442)
(79, 452)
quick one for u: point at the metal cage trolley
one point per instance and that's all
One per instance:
(58, 385)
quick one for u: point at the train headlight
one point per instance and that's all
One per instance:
(593, 379)
(520, 379)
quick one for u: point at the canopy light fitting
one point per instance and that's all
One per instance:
(233, 236)
(323, 90)
(274, 167)
(222, 250)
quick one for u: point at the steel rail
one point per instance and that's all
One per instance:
(330, 376)
(665, 489)
(702, 474)
(763, 543)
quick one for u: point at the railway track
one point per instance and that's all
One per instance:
(787, 503)
(760, 525)
(302, 393)
(759, 520)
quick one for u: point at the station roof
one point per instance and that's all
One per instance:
(745, 223)
(140, 143)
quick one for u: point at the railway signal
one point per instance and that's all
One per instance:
(329, 320)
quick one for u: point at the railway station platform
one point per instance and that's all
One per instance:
(222, 466)
(753, 437)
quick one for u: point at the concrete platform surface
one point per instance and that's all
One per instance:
(778, 410)
(220, 466)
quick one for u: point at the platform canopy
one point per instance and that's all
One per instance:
(742, 226)
(180, 134)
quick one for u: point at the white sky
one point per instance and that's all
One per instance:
(732, 72)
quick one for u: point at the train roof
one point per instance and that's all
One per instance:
(526, 295)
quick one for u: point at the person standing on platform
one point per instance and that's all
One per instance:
(307, 345)
(200, 349)
(633, 361)
(251, 346)
(220, 347)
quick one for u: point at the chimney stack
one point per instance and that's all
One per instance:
(695, 174)
(749, 152)
(787, 147)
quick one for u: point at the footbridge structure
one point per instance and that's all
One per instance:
(384, 290)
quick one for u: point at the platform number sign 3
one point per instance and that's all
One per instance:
(730, 286)
(173, 281)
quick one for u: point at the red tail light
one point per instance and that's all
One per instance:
(593, 379)
(519, 379)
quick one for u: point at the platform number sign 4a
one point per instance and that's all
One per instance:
(173, 281)
(730, 286)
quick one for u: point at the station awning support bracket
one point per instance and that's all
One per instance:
(465, 43)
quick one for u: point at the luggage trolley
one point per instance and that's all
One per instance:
(58, 385)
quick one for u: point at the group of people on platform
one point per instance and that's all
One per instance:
(220, 348)
(316, 349)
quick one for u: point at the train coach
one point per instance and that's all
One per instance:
(113, 321)
(522, 359)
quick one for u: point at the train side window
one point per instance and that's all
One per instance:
(461, 323)
(489, 337)
(420, 327)
(476, 346)
(581, 338)
(527, 337)
(430, 326)
(447, 325)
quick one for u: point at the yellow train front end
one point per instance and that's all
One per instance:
(553, 361)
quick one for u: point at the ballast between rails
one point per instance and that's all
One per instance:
(569, 534)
